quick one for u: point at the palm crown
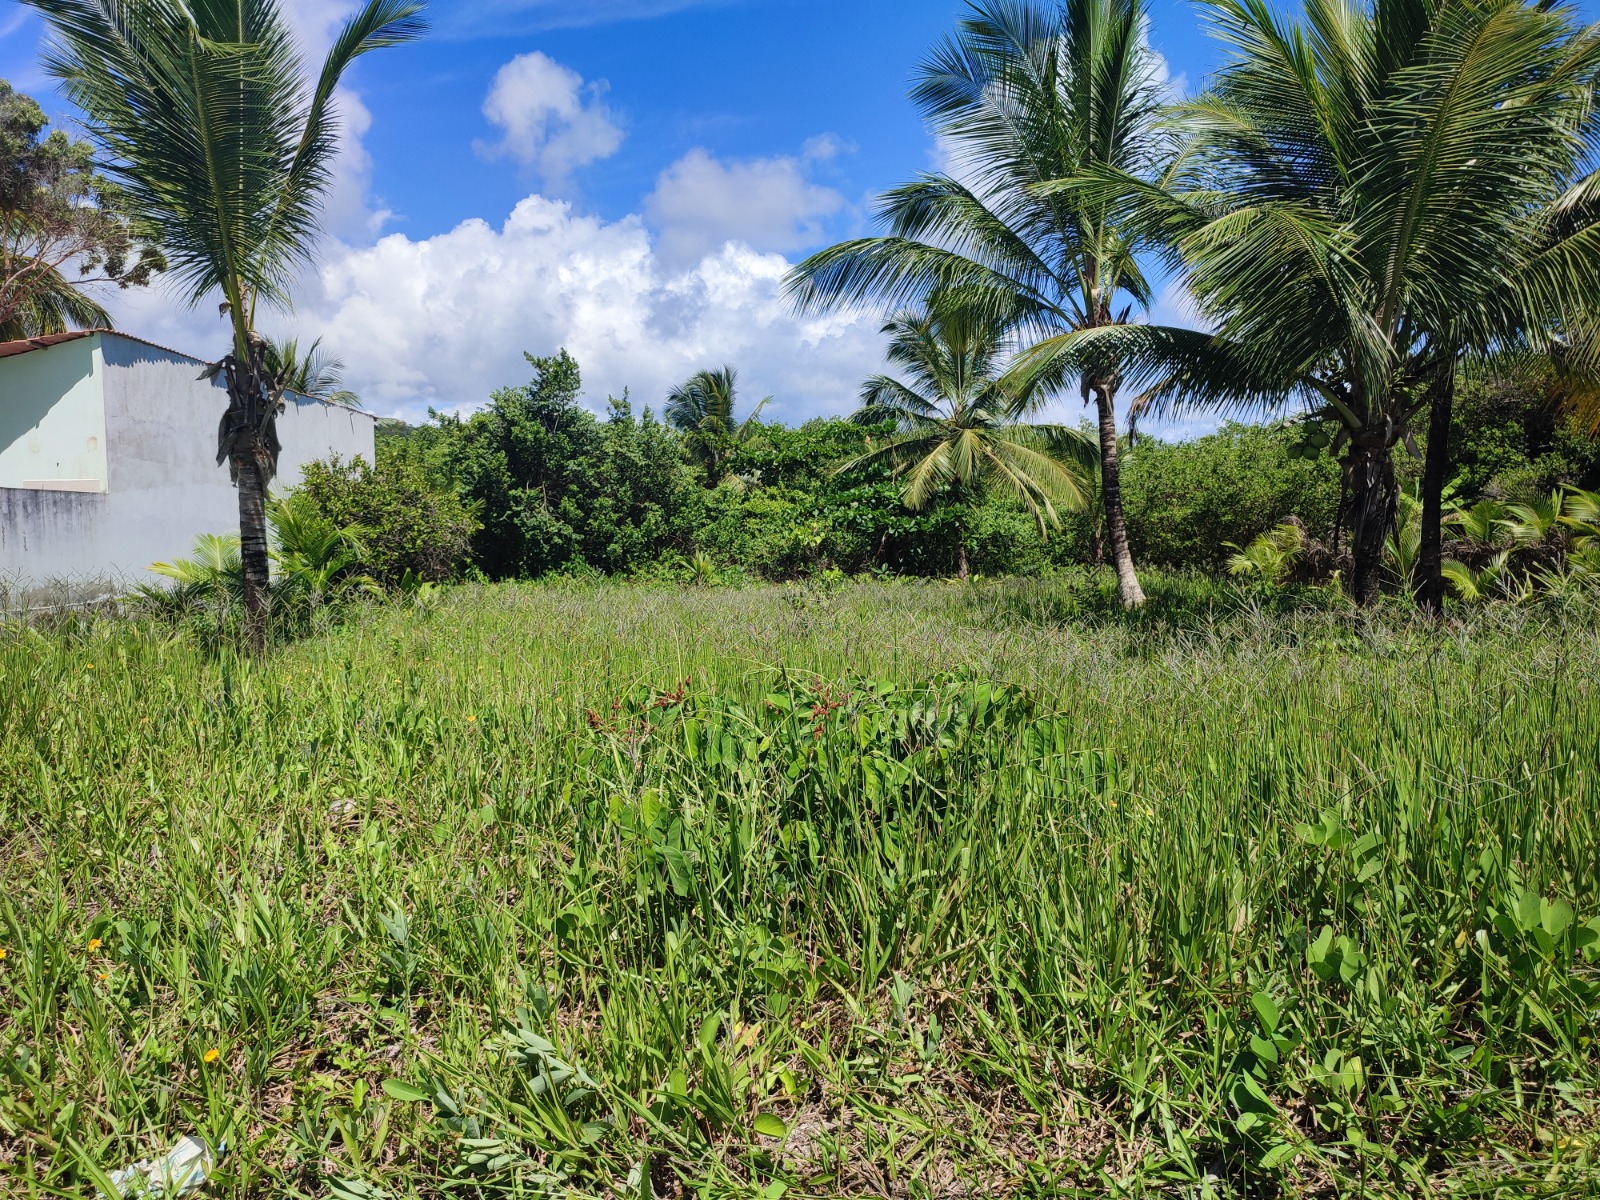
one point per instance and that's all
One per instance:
(702, 408)
(315, 373)
(960, 430)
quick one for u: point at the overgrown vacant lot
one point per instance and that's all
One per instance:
(897, 891)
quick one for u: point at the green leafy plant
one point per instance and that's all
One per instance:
(959, 430)
(1272, 557)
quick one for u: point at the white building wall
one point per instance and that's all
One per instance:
(164, 484)
(52, 421)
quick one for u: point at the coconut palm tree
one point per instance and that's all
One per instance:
(1366, 198)
(1022, 95)
(224, 148)
(702, 409)
(316, 373)
(960, 430)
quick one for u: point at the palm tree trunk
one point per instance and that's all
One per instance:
(248, 470)
(248, 441)
(961, 557)
(1370, 471)
(1128, 589)
(1430, 557)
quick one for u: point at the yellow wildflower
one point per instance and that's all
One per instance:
(94, 943)
(471, 718)
(2, 954)
(211, 1056)
(103, 976)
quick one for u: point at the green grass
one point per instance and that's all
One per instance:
(912, 890)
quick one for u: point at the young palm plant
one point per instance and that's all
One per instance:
(1023, 95)
(316, 373)
(224, 148)
(960, 430)
(1366, 198)
(702, 409)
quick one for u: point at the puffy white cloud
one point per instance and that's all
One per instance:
(701, 203)
(443, 321)
(552, 121)
(1175, 305)
(1175, 88)
(347, 211)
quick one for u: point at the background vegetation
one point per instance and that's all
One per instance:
(555, 489)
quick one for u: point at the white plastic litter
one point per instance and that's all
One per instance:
(182, 1170)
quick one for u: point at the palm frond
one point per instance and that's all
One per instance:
(52, 305)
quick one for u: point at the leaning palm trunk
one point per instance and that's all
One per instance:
(1104, 391)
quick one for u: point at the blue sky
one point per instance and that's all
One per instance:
(629, 178)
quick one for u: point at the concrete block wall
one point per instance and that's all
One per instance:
(163, 484)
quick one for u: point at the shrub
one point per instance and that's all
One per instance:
(400, 522)
(1187, 501)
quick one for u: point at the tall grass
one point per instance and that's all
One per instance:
(901, 890)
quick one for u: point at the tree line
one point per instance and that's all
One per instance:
(535, 484)
(1365, 201)
(1368, 206)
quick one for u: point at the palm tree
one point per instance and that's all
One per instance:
(702, 409)
(1024, 95)
(316, 373)
(1364, 200)
(225, 150)
(960, 429)
(53, 305)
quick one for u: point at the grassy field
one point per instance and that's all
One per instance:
(913, 890)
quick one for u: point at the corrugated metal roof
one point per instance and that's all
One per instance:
(8, 349)
(11, 349)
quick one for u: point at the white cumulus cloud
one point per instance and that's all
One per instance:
(551, 120)
(700, 203)
(442, 321)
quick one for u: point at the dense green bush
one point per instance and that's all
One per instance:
(400, 521)
(1509, 442)
(1187, 500)
(554, 487)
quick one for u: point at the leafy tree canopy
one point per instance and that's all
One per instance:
(63, 225)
